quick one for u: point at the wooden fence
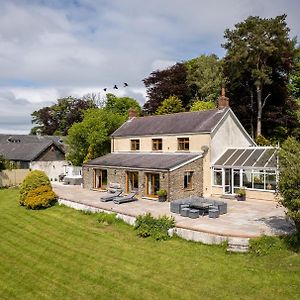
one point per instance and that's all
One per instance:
(12, 177)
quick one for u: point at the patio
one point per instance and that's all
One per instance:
(243, 220)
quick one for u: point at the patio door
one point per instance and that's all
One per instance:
(132, 181)
(100, 179)
(152, 184)
(228, 181)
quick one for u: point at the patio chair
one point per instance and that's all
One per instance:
(111, 196)
(124, 199)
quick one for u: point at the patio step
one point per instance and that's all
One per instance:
(231, 197)
(238, 245)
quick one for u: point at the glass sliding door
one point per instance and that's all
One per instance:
(152, 184)
(132, 181)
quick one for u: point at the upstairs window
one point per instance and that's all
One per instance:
(188, 180)
(135, 145)
(183, 144)
(156, 144)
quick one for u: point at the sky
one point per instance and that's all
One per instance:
(56, 48)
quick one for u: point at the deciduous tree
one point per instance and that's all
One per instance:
(90, 138)
(289, 179)
(202, 105)
(170, 105)
(205, 77)
(161, 84)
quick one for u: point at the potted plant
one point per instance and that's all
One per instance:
(162, 195)
(241, 194)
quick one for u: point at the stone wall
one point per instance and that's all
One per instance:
(88, 177)
(12, 177)
(172, 182)
(176, 181)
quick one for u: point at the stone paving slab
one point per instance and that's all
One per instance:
(245, 219)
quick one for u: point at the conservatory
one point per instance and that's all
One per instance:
(254, 169)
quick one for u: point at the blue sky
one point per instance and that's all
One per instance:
(54, 48)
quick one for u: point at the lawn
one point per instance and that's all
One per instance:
(60, 253)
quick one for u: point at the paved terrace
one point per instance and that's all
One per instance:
(245, 219)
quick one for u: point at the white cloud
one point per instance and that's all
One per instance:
(51, 49)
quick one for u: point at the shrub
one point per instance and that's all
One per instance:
(32, 181)
(40, 197)
(107, 219)
(147, 225)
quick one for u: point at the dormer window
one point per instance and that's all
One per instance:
(156, 144)
(135, 145)
(183, 144)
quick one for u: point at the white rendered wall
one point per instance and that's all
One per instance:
(51, 168)
(229, 134)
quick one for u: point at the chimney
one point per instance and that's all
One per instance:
(223, 101)
(132, 113)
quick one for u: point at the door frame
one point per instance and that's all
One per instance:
(152, 184)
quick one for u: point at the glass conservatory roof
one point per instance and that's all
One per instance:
(254, 158)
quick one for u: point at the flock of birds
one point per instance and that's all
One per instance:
(125, 84)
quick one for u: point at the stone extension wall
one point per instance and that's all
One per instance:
(176, 188)
(172, 182)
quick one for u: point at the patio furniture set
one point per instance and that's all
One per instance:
(117, 198)
(195, 206)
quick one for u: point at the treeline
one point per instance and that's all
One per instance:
(260, 72)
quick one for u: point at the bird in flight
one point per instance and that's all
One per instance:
(104, 89)
(115, 87)
(125, 84)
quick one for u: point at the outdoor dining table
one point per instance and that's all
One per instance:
(203, 207)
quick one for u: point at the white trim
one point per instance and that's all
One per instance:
(185, 163)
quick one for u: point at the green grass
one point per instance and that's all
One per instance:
(60, 253)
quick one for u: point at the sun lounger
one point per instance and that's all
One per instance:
(111, 196)
(125, 199)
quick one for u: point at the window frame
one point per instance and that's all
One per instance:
(188, 182)
(135, 145)
(183, 143)
(157, 144)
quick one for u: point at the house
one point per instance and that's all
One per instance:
(190, 153)
(34, 152)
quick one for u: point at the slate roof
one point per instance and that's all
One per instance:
(249, 158)
(186, 122)
(150, 161)
(26, 147)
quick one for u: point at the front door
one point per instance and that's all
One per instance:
(132, 181)
(152, 184)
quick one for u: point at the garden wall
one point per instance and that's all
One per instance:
(12, 177)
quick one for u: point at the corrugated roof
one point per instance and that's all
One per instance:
(149, 161)
(26, 147)
(256, 157)
(186, 122)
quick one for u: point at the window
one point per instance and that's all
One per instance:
(258, 180)
(247, 181)
(188, 180)
(132, 181)
(156, 144)
(217, 177)
(183, 144)
(135, 145)
(270, 180)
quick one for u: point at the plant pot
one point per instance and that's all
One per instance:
(162, 198)
(240, 198)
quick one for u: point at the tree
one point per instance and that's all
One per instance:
(161, 84)
(3, 163)
(121, 105)
(205, 77)
(90, 138)
(289, 179)
(260, 56)
(58, 118)
(202, 105)
(170, 105)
